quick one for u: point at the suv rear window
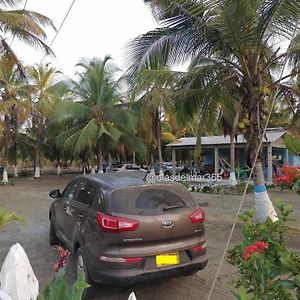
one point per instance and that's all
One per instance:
(149, 201)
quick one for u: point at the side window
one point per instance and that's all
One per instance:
(86, 194)
(129, 167)
(70, 190)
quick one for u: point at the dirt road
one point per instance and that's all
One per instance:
(30, 199)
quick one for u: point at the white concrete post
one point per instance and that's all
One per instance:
(16, 277)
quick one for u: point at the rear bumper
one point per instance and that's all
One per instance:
(129, 277)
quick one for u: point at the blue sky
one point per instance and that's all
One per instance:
(93, 28)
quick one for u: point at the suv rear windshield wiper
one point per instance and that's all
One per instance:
(173, 207)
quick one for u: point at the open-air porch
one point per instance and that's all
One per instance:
(216, 150)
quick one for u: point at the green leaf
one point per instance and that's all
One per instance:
(6, 217)
(292, 144)
(242, 294)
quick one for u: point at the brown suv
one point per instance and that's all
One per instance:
(124, 230)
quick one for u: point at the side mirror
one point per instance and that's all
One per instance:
(55, 194)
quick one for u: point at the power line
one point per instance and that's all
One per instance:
(61, 25)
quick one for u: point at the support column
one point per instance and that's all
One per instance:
(286, 158)
(216, 160)
(173, 161)
(270, 164)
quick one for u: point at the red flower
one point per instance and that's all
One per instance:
(63, 257)
(261, 245)
(258, 246)
(286, 176)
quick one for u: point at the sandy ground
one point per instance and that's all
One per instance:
(30, 199)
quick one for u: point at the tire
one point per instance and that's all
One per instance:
(167, 173)
(80, 266)
(53, 239)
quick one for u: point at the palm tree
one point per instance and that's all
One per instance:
(238, 37)
(97, 112)
(26, 26)
(153, 99)
(15, 110)
(46, 93)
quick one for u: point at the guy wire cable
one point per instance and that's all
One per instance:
(61, 25)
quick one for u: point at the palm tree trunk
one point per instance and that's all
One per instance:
(37, 171)
(15, 161)
(198, 148)
(160, 159)
(6, 131)
(5, 174)
(100, 170)
(232, 177)
(263, 205)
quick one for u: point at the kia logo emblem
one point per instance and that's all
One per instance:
(167, 224)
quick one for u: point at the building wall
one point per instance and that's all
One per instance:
(294, 160)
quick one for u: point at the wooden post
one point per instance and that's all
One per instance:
(270, 164)
(216, 160)
(173, 161)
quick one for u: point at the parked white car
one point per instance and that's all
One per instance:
(125, 168)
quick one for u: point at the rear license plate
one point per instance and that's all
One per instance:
(167, 259)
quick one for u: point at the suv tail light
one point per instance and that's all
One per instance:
(198, 216)
(199, 248)
(114, 224)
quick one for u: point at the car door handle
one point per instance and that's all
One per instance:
(80, 216)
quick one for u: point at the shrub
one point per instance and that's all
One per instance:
(6, 217)
(267, 269)
(58, 288)
(288, 176)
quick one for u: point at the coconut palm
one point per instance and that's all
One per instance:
(14, 109)
(25, 26)
(46, 92)
(238, 37)
(153, 99)
(97, 112)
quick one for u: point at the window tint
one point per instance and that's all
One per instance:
(70, 190)
(141, 201)
(86, 194)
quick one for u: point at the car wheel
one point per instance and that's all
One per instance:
(53, 239)
(81, 267)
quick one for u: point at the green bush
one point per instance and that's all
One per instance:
(58, 289)
(267, 269)
(6, 217)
